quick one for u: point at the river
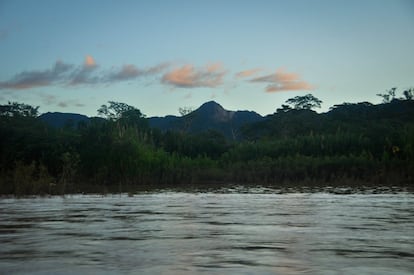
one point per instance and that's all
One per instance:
(233, 231)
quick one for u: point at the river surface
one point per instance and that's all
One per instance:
(238, 231)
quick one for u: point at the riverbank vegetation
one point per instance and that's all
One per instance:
(353, 143)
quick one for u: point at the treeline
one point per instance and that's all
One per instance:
(351, 144)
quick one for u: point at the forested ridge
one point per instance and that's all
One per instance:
(353, 143)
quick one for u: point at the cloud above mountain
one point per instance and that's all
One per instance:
(84, 74)
(88, 73)
(130, 71)
(179, 76)
(32, 79)
(283, 81)
(126, 72)
(188, 76)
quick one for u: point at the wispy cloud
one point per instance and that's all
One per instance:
(84, 74)
(130, 71)
(156, 69)
(283, 81)
(248, 73)
(48, 99)
(32, 79)
(87, 73)
(68, 103)
(188, 76)
(289, 86)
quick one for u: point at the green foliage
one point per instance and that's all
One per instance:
(351, 143)
(70, 162)
(31, 179)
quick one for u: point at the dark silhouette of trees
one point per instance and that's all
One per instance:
(116, 110)
(306, 102)
(183, 111)
(285, 108)
(388, 96)
(124, 116)
(409, 94)
(18, 109)
(355, 143)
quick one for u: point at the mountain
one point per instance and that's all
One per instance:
(59, 120)
(209, 116)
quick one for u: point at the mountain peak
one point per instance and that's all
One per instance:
(209, 116)
(214, 111)
(211, 105)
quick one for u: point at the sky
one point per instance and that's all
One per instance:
(160, 55)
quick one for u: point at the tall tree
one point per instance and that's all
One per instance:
(116, 110)
(185, 110)
(306, 102)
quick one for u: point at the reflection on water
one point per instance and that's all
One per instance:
(234, 231)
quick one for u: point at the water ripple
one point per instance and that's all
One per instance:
(238, 230)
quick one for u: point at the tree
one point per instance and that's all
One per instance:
(185, 110)
(134, 118)
(115, 110)
(388, 96)
(409, 94)
(306, 102)
(285, 108)
(188, 117)
(14, 109)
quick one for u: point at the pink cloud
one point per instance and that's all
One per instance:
(86, 73)
(289, 86)
(214, 67)
(283, 81)
(248, 73)
(188, 76)
(83, 75)
(89, 62)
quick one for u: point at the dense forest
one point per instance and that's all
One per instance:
(352, 144)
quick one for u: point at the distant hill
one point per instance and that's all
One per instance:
(358, 118)
(209, 116)
(237, 125)
(59, 120)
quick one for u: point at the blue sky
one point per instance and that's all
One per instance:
(73, 56)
